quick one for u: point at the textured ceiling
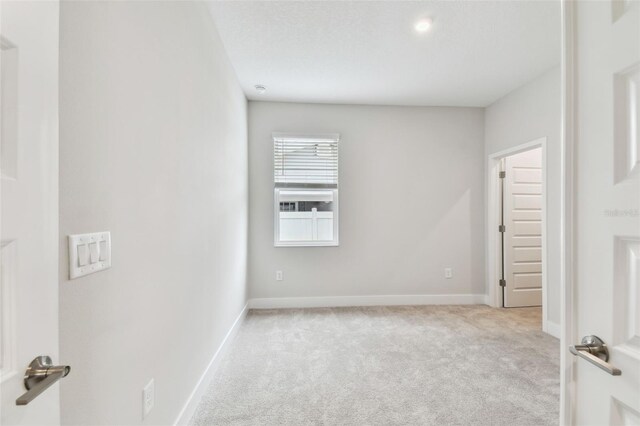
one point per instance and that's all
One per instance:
(363, 52)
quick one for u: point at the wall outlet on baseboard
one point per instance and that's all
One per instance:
(448, 273)
(279, 276)
(148, 398)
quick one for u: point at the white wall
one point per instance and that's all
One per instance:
(411, 202)
(526, 114)
(152, 148)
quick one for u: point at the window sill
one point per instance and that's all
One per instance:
(307, 244)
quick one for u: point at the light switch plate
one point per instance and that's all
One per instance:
(95, 253)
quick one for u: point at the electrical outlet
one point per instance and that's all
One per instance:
(448, 273)
(279, 276)
(148, 398)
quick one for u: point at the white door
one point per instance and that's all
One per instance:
(28, 204)
(607, 209)
(523, 229)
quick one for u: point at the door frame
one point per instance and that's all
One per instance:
(567, 190)
(567, 172)
(567, 169)
(493, 220)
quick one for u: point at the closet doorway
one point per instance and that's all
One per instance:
(521, 228)
(517, 227)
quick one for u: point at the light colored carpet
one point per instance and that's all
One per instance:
(410, 365)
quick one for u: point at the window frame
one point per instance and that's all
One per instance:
(305, 187)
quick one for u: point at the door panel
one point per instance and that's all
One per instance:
(526, 280)
(527, 254)
(533, 176)
(28, 203)
(529, 268)
(523, 241)
(523, 235)
(531, 201)
(531, 227)
(607, 206)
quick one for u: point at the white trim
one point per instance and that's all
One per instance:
(373, 300)
(567, 322)
(321, 137)
(493, 220)
(487, 300)
(527, 146)
(192, 402)
(553, 328)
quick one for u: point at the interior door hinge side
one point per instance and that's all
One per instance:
(503, 174)
(503, 283)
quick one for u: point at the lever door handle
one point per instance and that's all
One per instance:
(40, 375)
(594, 350)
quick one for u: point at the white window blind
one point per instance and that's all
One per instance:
(307, 161)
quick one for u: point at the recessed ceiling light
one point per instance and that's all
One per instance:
(424, 25)
(260, 88)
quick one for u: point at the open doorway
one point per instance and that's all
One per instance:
(521, 229)
(517, 227)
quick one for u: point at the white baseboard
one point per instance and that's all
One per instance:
(552, 328)
(386, 300)
(196, 395)
(488, 300)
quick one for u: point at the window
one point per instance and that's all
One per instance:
(305, 171)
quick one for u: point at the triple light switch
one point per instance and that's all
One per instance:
(89, 253)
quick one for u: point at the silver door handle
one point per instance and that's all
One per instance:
(41, 374)
(594, 350)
